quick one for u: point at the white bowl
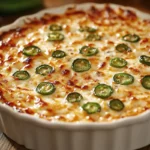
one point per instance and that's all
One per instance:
(124, 134)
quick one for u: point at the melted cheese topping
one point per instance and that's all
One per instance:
(112, 25)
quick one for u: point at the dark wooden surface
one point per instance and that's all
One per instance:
(144, 5)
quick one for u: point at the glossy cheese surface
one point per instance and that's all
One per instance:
(111, 25)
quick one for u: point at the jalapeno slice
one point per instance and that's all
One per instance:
(88, 29)
(103, 91)
(55, 27)
(58, 54)
(118, 62)
(145, 60)
(81, 65)
(55, 36)
(31, 50)
(44, 70)
(93, 37)
(91, 107)
(123, 48)
(131, 38)
(21, 75)
(123, 78)
(74, 97)
(88, 51)
(45, 88)
(116, 105)
(146, 82)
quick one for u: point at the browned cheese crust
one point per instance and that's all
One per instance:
(112, 25)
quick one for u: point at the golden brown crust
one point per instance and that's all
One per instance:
(112, 24)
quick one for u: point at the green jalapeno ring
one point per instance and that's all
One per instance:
(44, 70)
(116, 105)
(93, 37)
(58, 54)
(103, 91)
(21, 75)
(145, 60)
(118, 62)
(31, 50)
(131, 38)
(81, 29)
(123, 78)
(123, 48)
(91, 107)
(88, 29)
(74, 97)
(55, 27)
(88, 51)
(81, 65)
(45, 88)
(146, 82)
(55, 36)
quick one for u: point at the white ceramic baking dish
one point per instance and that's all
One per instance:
(125, 134)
